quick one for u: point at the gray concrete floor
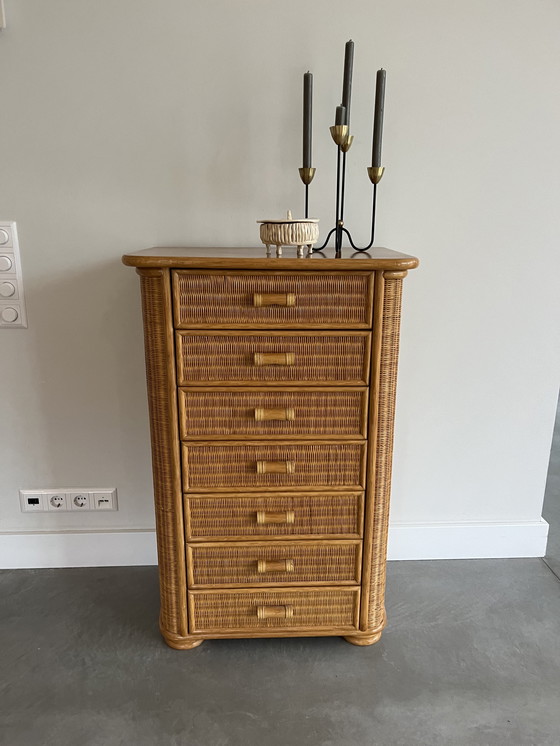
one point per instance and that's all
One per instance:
(471, 656)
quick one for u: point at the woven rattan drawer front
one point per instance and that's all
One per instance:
(314, 609)
(269, 563)
(272, 358)
(293, 413)
(251, 466)
(272, 299)
(215, 517)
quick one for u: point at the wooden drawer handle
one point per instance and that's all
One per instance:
(264, 415)
(274, 299)
(264, 517)
(275, 566)
(276, 467)
(274, 358)
(275, 612)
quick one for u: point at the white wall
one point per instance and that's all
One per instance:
(127, 123)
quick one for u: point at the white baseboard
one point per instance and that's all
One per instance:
(78, 548)
(421, 541)
(103, 548)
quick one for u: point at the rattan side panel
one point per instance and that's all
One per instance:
(160, 375)
(387, 384)
(207, 299)
(238, 610)
(228, 357)
(312, 563)
(230, 413)
(222, 466)
(233, 516)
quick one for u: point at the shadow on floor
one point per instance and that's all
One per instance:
(551, 507)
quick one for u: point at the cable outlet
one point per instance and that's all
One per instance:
(32, 502)
(106, 500)
(68, 499)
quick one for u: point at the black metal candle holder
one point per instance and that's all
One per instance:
(343, 140)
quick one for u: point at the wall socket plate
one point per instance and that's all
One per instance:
(68, 499)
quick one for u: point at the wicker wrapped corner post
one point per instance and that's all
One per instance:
(271, 391)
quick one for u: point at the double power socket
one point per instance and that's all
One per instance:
(69, 499)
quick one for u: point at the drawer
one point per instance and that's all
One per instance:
(280, 299)
(274, 610)
(264, 413)
(273, 358)
(252, 466)
(268, 563)
(215, 517)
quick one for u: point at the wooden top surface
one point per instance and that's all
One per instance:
(255, 258)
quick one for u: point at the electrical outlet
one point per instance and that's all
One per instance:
(68, 499)
(32, 502)
(79, 500)
(56, 501)
(105, 500)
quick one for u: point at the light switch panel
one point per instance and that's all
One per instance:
(12, 303)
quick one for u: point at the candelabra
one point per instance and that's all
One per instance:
(340, 133)
(343, 141)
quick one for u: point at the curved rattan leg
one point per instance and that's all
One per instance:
(371, 636)
(178, 642)
(364, 639)
(181, 643)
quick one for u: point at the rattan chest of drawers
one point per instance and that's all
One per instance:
(271, 390)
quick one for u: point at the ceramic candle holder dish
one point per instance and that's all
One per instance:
(289, 232)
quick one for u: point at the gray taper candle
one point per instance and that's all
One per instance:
(378, 118)
(307, 117)
(347, 79)
(340, 117)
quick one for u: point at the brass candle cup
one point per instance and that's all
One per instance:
(347, 144)
(339, 133)
(306, 174)
(375, 173)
